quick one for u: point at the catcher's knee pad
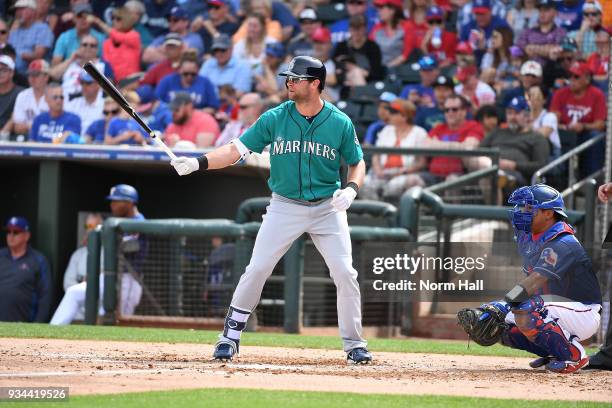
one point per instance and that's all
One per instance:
(529, 316)
(557, 342)
(514, 338)
(235, 322)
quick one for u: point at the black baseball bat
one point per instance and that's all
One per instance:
(118, 97)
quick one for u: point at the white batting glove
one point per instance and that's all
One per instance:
(185, 165)
(343, 199)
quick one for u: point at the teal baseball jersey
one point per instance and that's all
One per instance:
(304, 156)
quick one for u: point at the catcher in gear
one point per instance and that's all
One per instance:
(557, 304)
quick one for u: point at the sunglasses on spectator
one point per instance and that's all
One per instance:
(2, 32)
(89, 45)
(391, 110)
(189, 74)
(57, 97)
(356, 2)
(574, 76)
(561, 59)
(593, 14)
(219, 50)
(296, 79)
(110, 112)
(13, 232)
(452, 109)
(214, 7)
(435, 22)
(243, 107)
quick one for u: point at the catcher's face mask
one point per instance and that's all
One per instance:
(528, 200)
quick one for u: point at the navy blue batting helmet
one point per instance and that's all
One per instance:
(306, 67)
(123, 192)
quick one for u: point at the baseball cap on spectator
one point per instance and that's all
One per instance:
(516, 51)
(84, 77)
(38, 65)
(395, 3)
(481, 6)
(444, 80)
(322, 35)
(591, 6)
(8, 61)
(518, 103)
(275, 49)
(569, 44)
(580, 69)
(82, 8)
(464, 73)
(217, 3)
(546, 4)
(17, 224)
(146, 95)
(221, 42)
(25, 4)
(531, 68)
(387, 97)
(173, 39)
(180, 99)
(434, 13)
(308, 14)
(427, 63)
(130, 79)
(180, 13)
(123, 192)
(464, 47)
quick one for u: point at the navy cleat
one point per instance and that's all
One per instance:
(225, 350)
(540, 362)
(359, 355)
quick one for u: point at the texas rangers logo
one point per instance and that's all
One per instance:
(549, 256)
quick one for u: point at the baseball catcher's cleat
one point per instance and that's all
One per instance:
(359, 355)
(225, 350)
(567, 367)
(485, 324)
(539, 362)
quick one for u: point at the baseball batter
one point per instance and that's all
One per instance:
(307, 139)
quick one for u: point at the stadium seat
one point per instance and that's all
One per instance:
(330, 13)
(407, 74)
(352, 109)
(369, 113)
(371, 91)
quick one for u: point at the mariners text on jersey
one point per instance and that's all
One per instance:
(281, 146)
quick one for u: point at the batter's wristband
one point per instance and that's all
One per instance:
(354, 186)
(203, 160)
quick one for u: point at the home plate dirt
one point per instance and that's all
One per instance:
(99, 367)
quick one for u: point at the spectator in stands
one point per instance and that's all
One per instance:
(154, 112)
(133, 247)
(539, 42)
(556, 71)
(269, 84)
(98, 129)
(429, 117)
(157, 12)
(223, 68)
(125, 130)
(322, 48)
(465, 11)
(197, 127)
(56, 125)
(251, 106)
(358, 59)
(8, 93)
(137, 9)
(173, 48)
(252, 47)
(455, 133)
(31, 101)
(69, 42)
(68, 70)
(495, 64)
(542, 121)
(383, 113)
(270, 28)
(569, 14)
(4, 33)
(30, 38)
(220, 21)
(417, 15)
(45, 15)
(439, 41)
(581, 108)
(393, 34)
(523, 151)
(123, 46)
(523, 17)
(302, 44)
(179, 24)
(90, 105)
(531, 74)
(488, 116)
(392, 174)
(585, 36)
(472, 88)
(187, 79)
(479, 30)
(25, 278)
(422, 94)
(341, 29)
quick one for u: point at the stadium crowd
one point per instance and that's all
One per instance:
(527, 76)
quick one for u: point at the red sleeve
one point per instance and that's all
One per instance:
(150, 76)
(131, 38)
(599, 105)
(473, 129)
(409, 37)
(435, 132)
(449, 41)
(555, 104)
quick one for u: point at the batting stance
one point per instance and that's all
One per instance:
(307, 139)
(558, 304)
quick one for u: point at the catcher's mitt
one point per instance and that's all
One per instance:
(484, 324)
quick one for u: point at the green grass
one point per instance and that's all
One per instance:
(223, 398)
(110, 333)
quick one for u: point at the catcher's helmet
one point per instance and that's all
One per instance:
(306, 67)
(123, 192)
(528, 199)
